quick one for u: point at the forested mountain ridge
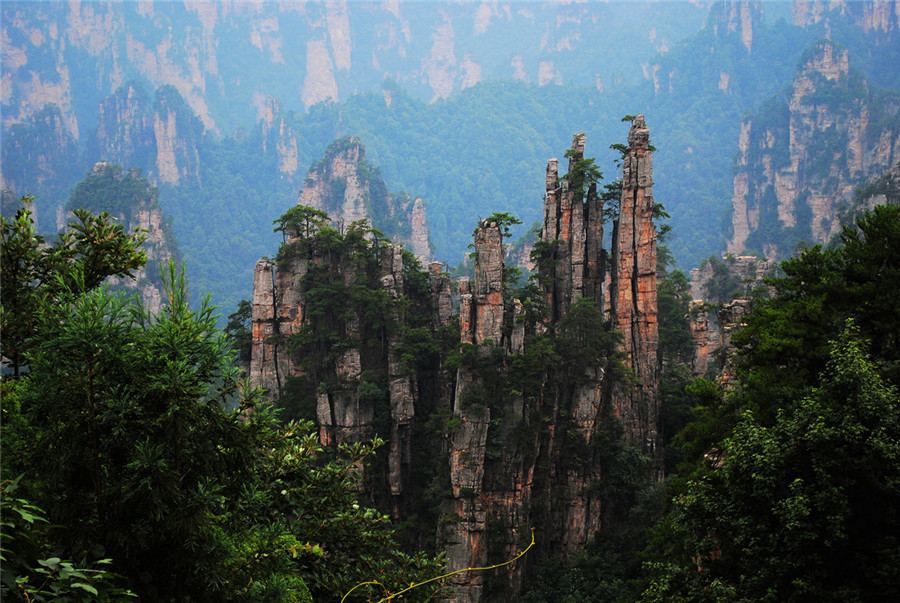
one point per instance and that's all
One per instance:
(224, 183)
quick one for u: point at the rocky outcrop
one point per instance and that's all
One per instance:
(718, 286)
(872, 16)
(741, 17)
(521, 427)
(279, 137)
(802, 158)
(177, 134)
(573, 230)
(125, 123)
(132, 200)
(633, 289)
(481, 308)
(160, 135)
(346, 186)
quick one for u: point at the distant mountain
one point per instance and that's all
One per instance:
(805, 151)
(225, 58)
(224, 106)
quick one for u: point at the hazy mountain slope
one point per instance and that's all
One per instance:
(228, 140)
(226, 57)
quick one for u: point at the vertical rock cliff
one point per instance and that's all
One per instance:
(159, 134)
(573, 226)
(526, 395)
(349, 189)
(802, 155)
(633, 288)
(279, 137)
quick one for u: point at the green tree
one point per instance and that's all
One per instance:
(505, 221)
(135, 455)
(300, 221)
(804, 509)
(784, 345)
(238, 331)
(34, 273)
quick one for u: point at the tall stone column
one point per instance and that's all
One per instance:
(633, 295)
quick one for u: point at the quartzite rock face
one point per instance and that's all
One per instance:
(349, 189)
(799, 162)
(573, 226)
(633, 290)
(519, 455)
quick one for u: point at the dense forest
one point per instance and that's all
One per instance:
(212, 391)
(136, 463)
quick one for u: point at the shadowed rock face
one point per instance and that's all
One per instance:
(519, 454)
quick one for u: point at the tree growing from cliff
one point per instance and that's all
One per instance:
(505, 221)
(300, 221)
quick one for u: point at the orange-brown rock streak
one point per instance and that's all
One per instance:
(481, 321)
(633, 298)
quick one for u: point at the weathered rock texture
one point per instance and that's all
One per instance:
(739, 17)
(279, 137)
(718, 287)
(872, 16)
(349, 189)
(160, 134)
(573, 224)
(633, 289)
(802, 157)
(521, 429)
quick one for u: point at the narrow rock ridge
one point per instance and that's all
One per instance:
(633, 291)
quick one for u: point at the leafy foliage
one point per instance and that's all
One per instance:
(35, 273)
(121, 431)
(803, 509)
(790, 484)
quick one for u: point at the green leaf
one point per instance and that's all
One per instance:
(52, 563)
(86, 587)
